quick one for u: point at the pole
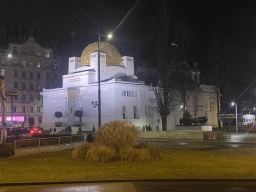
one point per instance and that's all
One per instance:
(2, 93)
(99, 93)
(236, 119)
(12, 110)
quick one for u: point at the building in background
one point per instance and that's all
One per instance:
(28, 68)
(123, 95)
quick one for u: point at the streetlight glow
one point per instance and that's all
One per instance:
(9, 55)
(110, 35)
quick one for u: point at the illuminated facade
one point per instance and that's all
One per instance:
(123, 95)
(28, 68)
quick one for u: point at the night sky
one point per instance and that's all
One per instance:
(234, 24)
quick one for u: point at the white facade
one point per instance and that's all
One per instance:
(28, 68)
(123, 96)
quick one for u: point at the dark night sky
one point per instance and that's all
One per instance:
(234, 23)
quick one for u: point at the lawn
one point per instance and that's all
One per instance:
(59, 166)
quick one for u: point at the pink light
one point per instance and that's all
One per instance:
(15, 118)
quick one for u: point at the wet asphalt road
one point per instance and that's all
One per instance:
(242, 140)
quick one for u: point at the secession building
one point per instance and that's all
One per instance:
(123, 95)
(28, 68)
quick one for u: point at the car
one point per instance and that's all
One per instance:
(35, 130)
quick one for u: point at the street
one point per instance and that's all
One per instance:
(237, 140)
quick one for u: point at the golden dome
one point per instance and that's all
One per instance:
(112, 53)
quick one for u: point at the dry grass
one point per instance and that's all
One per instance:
(100, 153)
(59, 166)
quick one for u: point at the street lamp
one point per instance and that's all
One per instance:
(234, 103)
(99, 92)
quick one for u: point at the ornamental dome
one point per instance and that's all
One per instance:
(112, 54)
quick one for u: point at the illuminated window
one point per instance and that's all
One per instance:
(38, 64)
(31, 64)
(2, 62)
(47, 54)
(55, 66)
(23, 63)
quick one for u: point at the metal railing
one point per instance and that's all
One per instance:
(39, 142)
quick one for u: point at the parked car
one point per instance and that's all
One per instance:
(35, 130)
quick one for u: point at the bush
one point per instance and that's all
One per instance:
(101, 153)
(134, 155)
(81, 151)
(6, 149)
(117, 134)
(155, 153)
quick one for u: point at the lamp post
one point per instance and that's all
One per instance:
(99, 92)
(235, 103)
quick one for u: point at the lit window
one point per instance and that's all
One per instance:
(3, 72)
(38, 64)
(23, 63)
(55, 66)
(2, 61)
(31, 64)
(47, 54)
(31, 109)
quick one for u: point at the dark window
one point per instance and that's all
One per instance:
(38, 98)
(14, 109)
(38, 76)
(15, 98)
(31, 109)
(31, 86)
(15, 73)
(48, 75)
(31, 98)
(38, 87)
(23, 109)
(31, 75)
(38, 109)
(23, 97)
(24, 74)
(15, 50)
(47, 86)
(15, 85)
(24, 86)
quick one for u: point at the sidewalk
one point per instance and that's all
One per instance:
(240, 138)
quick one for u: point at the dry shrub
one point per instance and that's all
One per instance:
(81, 151)
(155, 153)
(117, 134)
(100, 153)
(134, 155)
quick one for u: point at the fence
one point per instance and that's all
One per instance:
(40, 142)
